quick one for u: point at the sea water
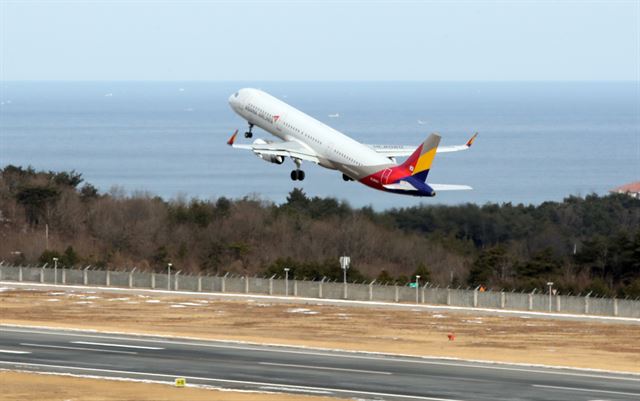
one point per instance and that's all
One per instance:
(537, 141)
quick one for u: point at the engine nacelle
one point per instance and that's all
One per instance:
(268, 158)
(271, 158)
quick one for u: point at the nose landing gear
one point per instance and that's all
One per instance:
(249, 134)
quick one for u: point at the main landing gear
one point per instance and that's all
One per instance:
(297, 174)
(249, 134)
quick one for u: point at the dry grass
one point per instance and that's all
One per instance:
(18, 386)
(506, 339)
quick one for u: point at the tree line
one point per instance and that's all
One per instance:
(583, 244)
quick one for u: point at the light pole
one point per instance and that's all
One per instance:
(169, 276)
(286, 281)
(550, 284)
(344, 264)
(55, 270)
(417, 288)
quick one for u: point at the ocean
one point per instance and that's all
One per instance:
(537, 141)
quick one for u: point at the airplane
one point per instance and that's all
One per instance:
(304, 138)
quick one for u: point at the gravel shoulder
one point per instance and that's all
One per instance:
(19, 386)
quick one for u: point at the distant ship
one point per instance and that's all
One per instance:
(334, 115)
(420, 122)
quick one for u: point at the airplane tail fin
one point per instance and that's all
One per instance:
(419, 163)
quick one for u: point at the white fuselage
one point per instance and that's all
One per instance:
(335, 150)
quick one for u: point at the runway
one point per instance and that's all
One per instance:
(299, 370)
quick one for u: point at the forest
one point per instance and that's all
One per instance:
(582, 244)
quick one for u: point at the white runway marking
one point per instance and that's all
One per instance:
(586, 390)
(376, 372)
(10, 351)
(114, 345)
(288, 387)
(79, 348)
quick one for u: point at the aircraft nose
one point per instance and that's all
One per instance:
(238, 99)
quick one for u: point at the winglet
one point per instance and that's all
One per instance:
(470, 141)
(232, 139)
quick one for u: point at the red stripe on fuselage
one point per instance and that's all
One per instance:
(386, 176)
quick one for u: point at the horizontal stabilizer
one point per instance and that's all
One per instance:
(400, 186)
(449, 187)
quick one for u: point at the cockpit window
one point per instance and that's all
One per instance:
(236, 94)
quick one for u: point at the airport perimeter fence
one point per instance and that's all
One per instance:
(176, 281)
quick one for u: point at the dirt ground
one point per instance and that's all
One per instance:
(596, 345)
(17, 386)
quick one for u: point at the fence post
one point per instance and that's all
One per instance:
(108, 278)
(295, 287)
(131, 277)
(223, 282)
(586, 303)
(422, 293)
(175, 280)
(246, 284)
(153, 280)
(615, 306)
(558, 303)
(271, 284)
(371, 290)
(449, 296)
(397, 295)
(475, 297)
(503, 300)
(42, 275)
(531, 299)
(20, 274)
(85, 275)
(199, 283)
(1, 270)
(64, 276)
(320, 288)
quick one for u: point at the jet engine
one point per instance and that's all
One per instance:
(268, 158)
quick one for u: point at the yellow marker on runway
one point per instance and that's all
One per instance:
(181, 382)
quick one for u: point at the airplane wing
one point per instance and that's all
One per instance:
(404, 151)
(284, 149)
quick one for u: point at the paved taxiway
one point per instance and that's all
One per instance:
(299, 370)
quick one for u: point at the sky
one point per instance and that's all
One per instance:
(328, 40)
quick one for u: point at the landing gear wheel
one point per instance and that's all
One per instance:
(297, 175)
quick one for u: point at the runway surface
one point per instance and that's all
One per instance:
(299, 370)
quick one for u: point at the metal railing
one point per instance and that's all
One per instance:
(427, 294)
